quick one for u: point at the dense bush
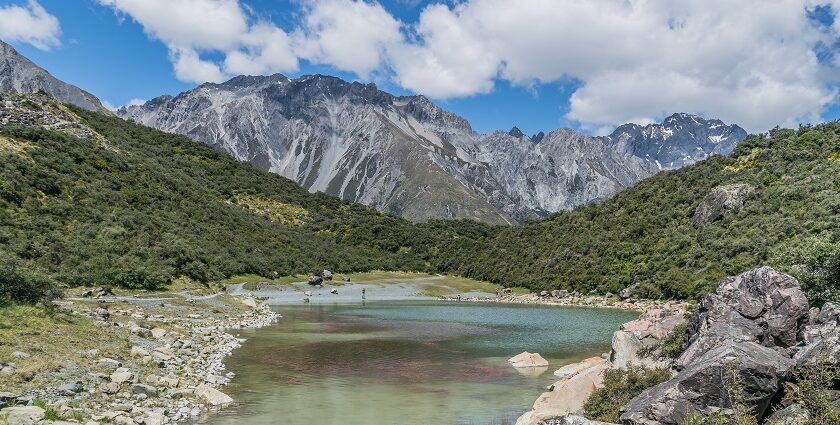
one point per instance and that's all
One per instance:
(620, 386)
(815, 262)
(19, 286)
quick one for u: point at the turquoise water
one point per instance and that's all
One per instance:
(413, 363)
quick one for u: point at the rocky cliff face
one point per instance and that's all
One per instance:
(403, 154)
(19, 75)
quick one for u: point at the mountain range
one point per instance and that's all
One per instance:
(402, 154)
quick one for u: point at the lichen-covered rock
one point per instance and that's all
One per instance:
(761, 305)
(721, 201)
(704, 385)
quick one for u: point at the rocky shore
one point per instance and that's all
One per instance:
(567, 299)
(169, 368)
(737, 352)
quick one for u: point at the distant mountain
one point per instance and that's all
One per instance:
(680, 140)
(404, 154)
(20, 75)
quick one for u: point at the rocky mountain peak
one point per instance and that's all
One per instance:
(20, 75)
(516, 132)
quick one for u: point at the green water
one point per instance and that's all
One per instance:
(413, 363)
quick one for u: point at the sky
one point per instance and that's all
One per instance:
(535, 64)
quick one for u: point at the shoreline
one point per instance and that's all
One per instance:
(172, 372)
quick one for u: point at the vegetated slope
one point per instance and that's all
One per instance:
(92, 199)
(645, 235)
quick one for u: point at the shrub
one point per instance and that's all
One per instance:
(815, 262)
(812, 393)
(674, 343)
(17, 286)
(621, 386)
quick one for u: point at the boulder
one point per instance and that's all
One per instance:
(821, 339)
(20, 355)
(8, 399)
(720, 202)
(22, 415)
(573, 369)
(315, 280)
(704, 385)
(71, 389)
(761, 305)
(559, 293)
(566, 395)
(148, 390)
(526, 359)
(212, 396)
(327, 275)
(122, 375)
(158, 333)
(249, 302)
(646, 332)
(110, 388)
(794, 414)
(626, 292)
(543, 293)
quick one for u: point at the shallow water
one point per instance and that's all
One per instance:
(413, 363)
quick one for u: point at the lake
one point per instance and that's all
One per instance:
(413, 363)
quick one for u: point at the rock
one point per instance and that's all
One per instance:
(720, 202)
(249, 302)
(626, 292)
(346, 279)
(568, 395)
(158, 333)
(703, 386)
(315, 280)
(570, 420)
(71, 389)
(795, 414)
(543, 293)
(526, 359)
(110, 388)
(138, 351)
(821, 339)
(334, 292)
(20, 355)
(108, 363)
(22, 415)
(573, 369)
(140, 331)
(121, 376)
(147, 390)
(760, 305)
(559, 293)
(212, 396)
(327, 275)
(645, 332)
(308, 293)
(8, 399)
(102, 313)
(8, 369)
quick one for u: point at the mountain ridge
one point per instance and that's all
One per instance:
(328, 134)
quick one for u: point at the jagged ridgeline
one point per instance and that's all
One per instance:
(775, 200)
(87, 198)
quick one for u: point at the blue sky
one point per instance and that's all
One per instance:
(533, 64)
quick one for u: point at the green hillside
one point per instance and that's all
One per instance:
(132, 206)
(645, 235)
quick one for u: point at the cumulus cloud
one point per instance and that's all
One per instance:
(752, 62)
(29, 24)
(190, 28)
(351, 35)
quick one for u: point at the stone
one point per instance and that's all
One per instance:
(559, 293)
(315, 280)
(21, 415)
(20, 355)
(569, 420)
(720, 202)
(147, 390)
(140, 331)
(102, 313)
(8, 399)
(110, 388)
(821, 339)
(628, 291)
(158, 333)
(760, 305)
(121, 376)
(543, 293)
(526, 359)
(109, 363)
(327, 275)
(702, 387)
(70, 389)
(573, 369)
(249, 302)
(212, 396)
(138, 351)
(567, 396)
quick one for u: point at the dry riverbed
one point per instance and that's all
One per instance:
(137, 358)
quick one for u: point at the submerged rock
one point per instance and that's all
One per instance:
(212, 396)
(526, 359)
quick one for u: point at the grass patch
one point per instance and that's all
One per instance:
(276, 211)
(50, 337)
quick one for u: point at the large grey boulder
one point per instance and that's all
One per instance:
(570, 420)
(721, 201)
(794, 414)
(644, 334)
(761, 305)
(704, 386)
(821, 339)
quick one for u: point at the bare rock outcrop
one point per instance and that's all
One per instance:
(721, 201)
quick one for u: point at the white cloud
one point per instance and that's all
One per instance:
(351, 35)
(29, 24)
(752, 61)
(190, 28)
